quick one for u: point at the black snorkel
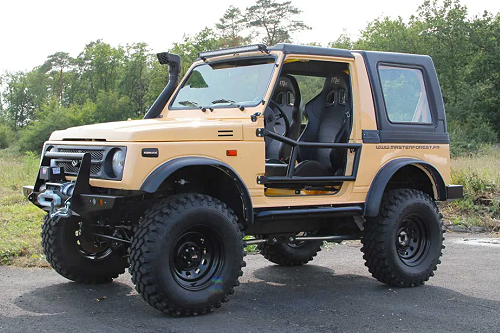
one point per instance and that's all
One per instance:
(174, 68)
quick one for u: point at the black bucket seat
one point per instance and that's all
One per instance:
(287, 97)
(328, 120)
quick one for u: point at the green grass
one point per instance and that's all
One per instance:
(19, 220)
(480, 176)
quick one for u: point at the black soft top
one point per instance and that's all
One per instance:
(311, 50)
(283, 47)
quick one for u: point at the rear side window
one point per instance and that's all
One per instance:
(404, 95)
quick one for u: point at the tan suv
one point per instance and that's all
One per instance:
(294, 145)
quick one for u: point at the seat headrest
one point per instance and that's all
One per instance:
(335, 90)
(286, 83)
(336, 82)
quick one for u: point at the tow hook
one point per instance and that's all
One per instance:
(63, 212)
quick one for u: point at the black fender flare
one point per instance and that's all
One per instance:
(381, 179)
(156, 178)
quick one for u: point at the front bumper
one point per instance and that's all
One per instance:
(82, 201)
(454, 192)
(81, 204)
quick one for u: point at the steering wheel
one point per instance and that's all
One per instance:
(277, 114)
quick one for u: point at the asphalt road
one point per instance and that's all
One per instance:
(333, 294)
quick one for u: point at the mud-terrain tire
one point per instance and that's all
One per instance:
(186, 254)
(285, 254)
(402, 245)
(71, 256)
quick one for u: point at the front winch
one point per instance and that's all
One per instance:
(62, 198)
(67, 189)
(58, 200)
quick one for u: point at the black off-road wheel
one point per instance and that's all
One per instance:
(290, 254)
(402, 246)
(186, 255)
(76, 254)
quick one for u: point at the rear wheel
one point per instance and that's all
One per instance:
(187, 254)
(402, 245)
(73, 252)
(291, 254)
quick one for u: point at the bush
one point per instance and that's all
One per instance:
(480, 177)
(473, 182)
(6, 136)
(470, 136)
(33, 136)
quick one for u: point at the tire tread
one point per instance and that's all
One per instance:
(55, 256)
(147, 235)
(377, 228)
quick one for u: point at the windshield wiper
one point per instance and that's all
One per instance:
(233, 103)
(190, 103)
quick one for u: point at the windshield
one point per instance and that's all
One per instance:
(238, 82)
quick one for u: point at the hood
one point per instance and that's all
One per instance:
(151, 130)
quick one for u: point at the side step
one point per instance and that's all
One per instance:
(305, 212)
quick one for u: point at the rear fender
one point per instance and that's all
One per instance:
(382, 178)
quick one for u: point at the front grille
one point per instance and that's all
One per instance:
(95, 169)
(98, 156)
(68, 168)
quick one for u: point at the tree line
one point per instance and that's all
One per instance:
(108, 83)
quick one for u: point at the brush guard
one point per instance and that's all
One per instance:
(62, 198)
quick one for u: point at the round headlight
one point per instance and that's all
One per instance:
(117, 162)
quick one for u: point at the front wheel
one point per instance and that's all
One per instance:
(187, 254)
(73, 252)
(402, 245)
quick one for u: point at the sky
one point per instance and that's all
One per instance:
(31, 30)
